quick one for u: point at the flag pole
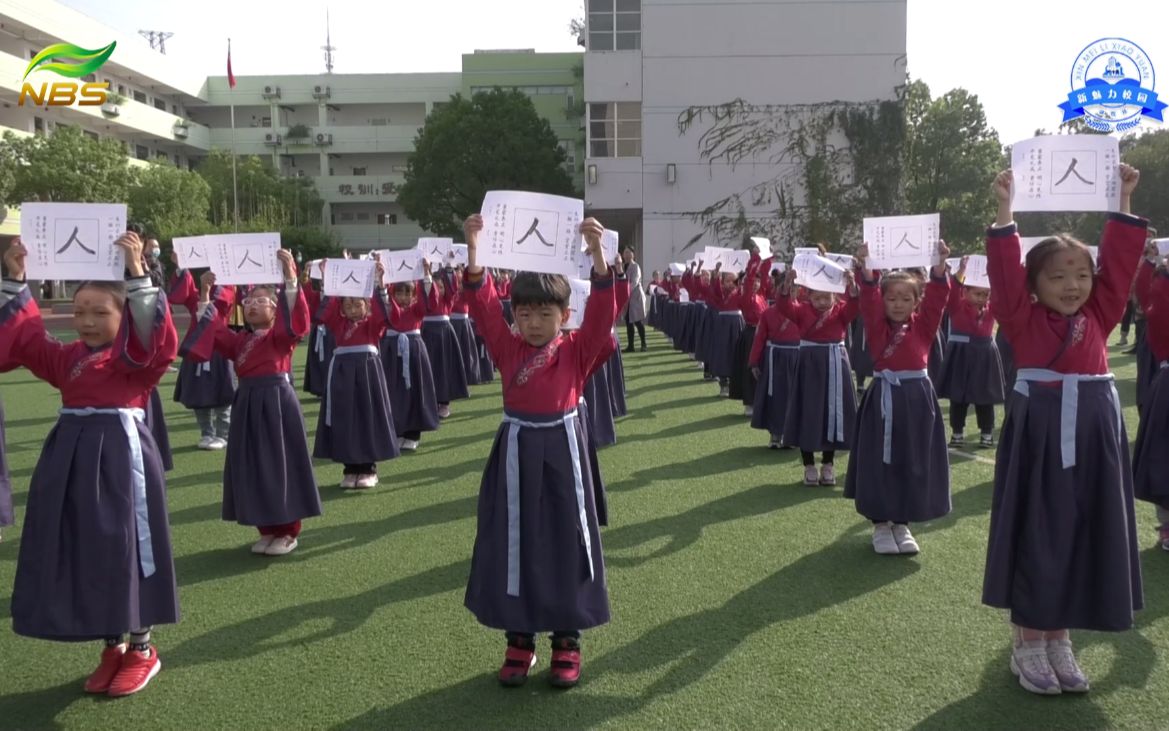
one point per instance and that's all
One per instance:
(231, 103)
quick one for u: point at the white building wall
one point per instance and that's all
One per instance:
(692, 54)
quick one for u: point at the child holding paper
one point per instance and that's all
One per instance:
(900, 470)
(446, 353)
(822, 412)
(972, 372)
(320, 340)
(775, 356)
(1150, 462)
(452, 282)
(537, 564)
(205, 388)
(355, 426)
(406, 364)
(95, 555)
(1062, 551)
(268, 478)
(752, 304)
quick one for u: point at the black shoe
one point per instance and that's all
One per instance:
(628, 350)
(642, 348)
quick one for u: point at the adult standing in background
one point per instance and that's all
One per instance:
(635, 310)
(150, 254)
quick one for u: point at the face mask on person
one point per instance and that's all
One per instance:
(155, 252)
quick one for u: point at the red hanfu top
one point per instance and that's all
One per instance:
(903, 346)
(366, 331)
(1152, 288)
(774, 327)
(965, 318)
(820, 327)
(259, 353)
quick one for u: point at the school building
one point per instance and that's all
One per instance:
(615, 107)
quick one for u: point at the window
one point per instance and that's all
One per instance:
(140, 96)
(362, 216)
(615, 129)
(569, 148)
(387, 219)
(38, 125)
(122, 89)
(359, 171)
(346, 216)
(160, 104)
(265, 121)
(379, 122)
(141, 152)
(178, 161)
(614, 25)
(91, 135)
(174, 109)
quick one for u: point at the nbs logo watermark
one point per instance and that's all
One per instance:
(71, 62)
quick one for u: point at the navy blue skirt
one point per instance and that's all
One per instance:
(414, 408)
(1062, 552)
(316, 363)
(806, 422)
(691, 318)
(724, 342)
(1147, 367)
(206, 385)
(600, 423)
(775, 391)
(268, 475)
(915, 485)
(156, 422)
(78, 575)
(1150, 461)
(598, 487)
(486, 366)
(858, 350)
(972, 373)
(446, 360)
(358, 405)
(7, 516)
(556, 591)
(615, 368)
(470, 353)
(704, 338)
(1007, 358)
(742, 385)
(937, 359)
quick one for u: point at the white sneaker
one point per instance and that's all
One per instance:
(365, 481)
(775, 442)
(1063, 662)
(349, 482)
(281, 545)
(205, 443)
(905, 542)
(261, 546)
(1029, 662)
(408, 445)
(827, 474)
(218, 443)
(811, 476)
(748, 410)
(444, 411)
(883, 541)
(724, 392)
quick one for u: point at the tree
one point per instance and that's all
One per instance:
(492, 141)
(67, 166)
(170, 201)
(951, 158)
(1149, 153)
(267, 200)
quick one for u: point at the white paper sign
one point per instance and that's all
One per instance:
(899, 242)
(610, 244)
(191, 252)
(805, 250)
(458, 255)
(581, 288)
(778, 266)
(402, 265)
(815, 272)
(737, 262)
(676, 270)
(1027, 243)
(1066, 173)
(73, 241)
(350, 278)
(843, 260)
(954, 264)
(314, 269)
(976, 272)
(531, 232)
(764, 246)
(245, 258)
(683, 295)
(712, 256)
(435, 251)
(1162, 246)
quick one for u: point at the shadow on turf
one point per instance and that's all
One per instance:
(687, 648)
(730, 460)
(38, 709)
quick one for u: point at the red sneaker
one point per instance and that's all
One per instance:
(517, 661)
(565, 663)
(111, 661)
(136, 671)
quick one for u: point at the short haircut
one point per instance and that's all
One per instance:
(115, 289)
(532, 289)
(1042, 252)
(901, 277)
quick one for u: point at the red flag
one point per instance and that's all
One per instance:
(230, 75)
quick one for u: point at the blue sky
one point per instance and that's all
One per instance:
(1016, 55)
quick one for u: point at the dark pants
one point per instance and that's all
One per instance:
(810, 458)
(360, 469)
(527, 640)
(629, 326)
(1126, 322)
(984, 413)
(413, 436)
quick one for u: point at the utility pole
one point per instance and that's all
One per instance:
(157, 39)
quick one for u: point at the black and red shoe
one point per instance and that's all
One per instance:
(517, 662)
(565, 662)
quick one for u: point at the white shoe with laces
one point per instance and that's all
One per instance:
(349, 482)
(883, 541)
(905, 541)
(1067, 670)
(1029, 662)
(281, 545)
(218, 443)
(205, 443)
(365, 481)
(408, 445)
(811, 476)
(261, 546)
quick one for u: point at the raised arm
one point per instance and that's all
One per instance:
(1011, 305)
(484, 304)
(183, 291)
(762, 335)
(933, 305)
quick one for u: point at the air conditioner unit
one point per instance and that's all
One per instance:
(271, 139)
(271, 92)
(320, 92)
(324, 138)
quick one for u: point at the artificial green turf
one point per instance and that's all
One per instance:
(740, 598)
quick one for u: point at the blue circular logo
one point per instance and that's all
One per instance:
(1113, 84)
